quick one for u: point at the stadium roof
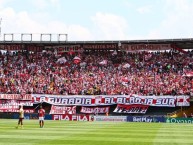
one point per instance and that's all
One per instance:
(186, 43)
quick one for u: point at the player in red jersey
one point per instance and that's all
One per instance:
(41, 113)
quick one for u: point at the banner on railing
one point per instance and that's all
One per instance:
(145, 47)
(65, 48)
(87, 100)
(14, 104)
(16, 96)
(100, 46)
(95, 110)
(131, 108)
(63, 110)
(11, 47)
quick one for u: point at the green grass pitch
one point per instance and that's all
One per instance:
(95, 133)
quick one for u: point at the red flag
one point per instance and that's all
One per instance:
(77, 60)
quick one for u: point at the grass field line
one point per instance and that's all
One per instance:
(91, 135)
(117, 139)
(95, 133)
(74, 123)
(102, 129)
(41, 132)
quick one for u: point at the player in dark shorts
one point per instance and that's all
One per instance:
(21, 117)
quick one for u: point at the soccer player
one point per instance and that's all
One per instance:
(41, 113)
(21, 116)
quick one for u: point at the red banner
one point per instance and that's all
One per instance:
(14, 47)
(95, 110)
(16, 96)
(17, 110)
(143, 47)
(60, 49)
(131, 109)
(11, 47)
(63, 110)
(72, 117)
(100, 46)
(34, 48)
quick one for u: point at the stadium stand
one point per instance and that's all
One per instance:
(96, 72)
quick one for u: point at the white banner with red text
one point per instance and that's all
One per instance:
(63, 110)
(131, 109)
(16, 96)
(14, 104)
(68, 117)
(88, 100)
(95, 110)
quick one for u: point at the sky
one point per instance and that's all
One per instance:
(85, 20)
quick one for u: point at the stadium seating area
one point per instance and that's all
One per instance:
(142, 73)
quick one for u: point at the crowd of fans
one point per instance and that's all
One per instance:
(142, 73)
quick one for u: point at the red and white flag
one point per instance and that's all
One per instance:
(114, 53)
(62, 60)
(188, 74)
(126, 65)
(76, 60)
(104, 62)
(183, 101)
